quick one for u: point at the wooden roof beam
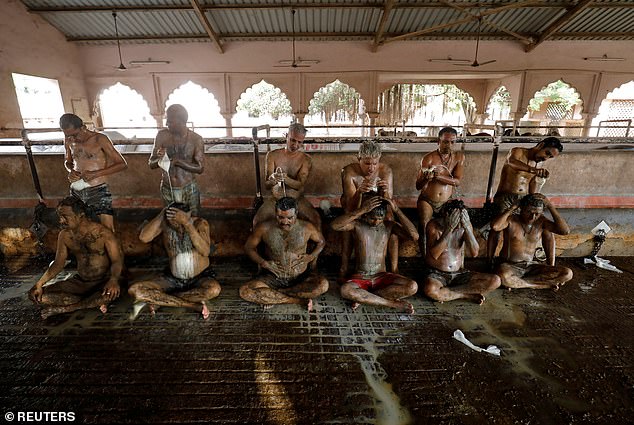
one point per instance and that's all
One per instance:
(485, 21)
(460, 21)
(203, 20)
(560, 22)
(389, 4)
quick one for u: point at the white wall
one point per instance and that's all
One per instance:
(32, 46)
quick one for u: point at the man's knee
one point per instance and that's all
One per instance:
(134, 290)
(322, 286)
(493, 282)
(246, 291)
(411, 287)
(138, 290)
(566, 274)
(212, 289)
(431, 288)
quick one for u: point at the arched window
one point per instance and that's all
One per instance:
(262, 103)
(336, 103)
(202, 108)
(616, 113)
(553, 107)
(123, 108)
(499, 107)
(425, 108)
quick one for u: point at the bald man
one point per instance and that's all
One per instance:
(185, 151)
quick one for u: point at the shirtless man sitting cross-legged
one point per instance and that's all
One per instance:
(521, 234)
(289, 274)
(447, 237)
(99, 264)
(190, 280)
(371, 284)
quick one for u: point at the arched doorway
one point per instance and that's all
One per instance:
(202, 108)
(262, 103)
(333, 106)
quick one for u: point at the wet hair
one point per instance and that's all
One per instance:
(76, 205)
(297, 128)
(531, 201)
(179, 110)
(286, 203)
(369, 149)
(381, 210)
(179, 206)
(552, 142)
(449, 130)
(70, 120)
(449, 206)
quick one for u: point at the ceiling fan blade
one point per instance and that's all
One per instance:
(487, 62)
(464, 64)
(450, 60)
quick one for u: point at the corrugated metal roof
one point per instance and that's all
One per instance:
(176, 20)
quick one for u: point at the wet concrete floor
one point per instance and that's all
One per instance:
(566, 357)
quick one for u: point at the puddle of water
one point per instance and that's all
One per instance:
(357, 337)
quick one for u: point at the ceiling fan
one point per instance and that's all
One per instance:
(475, 62)
(296, 62)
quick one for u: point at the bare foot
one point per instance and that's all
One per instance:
(355, 306)
(205, 311)
(404, 306)
(267, 306)
(153, 309)
(103, 308)
(309, 305)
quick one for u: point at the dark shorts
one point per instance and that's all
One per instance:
(461, 277)
(98, 198)
(374, 283)
(435, 206)
(280, 283)
(174, 284)
(188, 195)
(523, 268)
(504, 201)
(77, 286)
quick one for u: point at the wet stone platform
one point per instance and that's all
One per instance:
(566, 357)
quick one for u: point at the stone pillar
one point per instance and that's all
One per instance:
(158, 117)
(227, 116)
(516, 117)
(587, 122)
(299, 116)
(373, 116)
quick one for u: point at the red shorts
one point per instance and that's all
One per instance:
(378, 281)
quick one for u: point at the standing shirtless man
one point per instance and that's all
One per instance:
(90, 159)
(440, 172)
(289, 274)
(447, 238)
(357, 179)
(521, 234)
(185, 151)
(190, 280)
(287, 171)
(521, 176)
(99, 264)
(371, 284)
